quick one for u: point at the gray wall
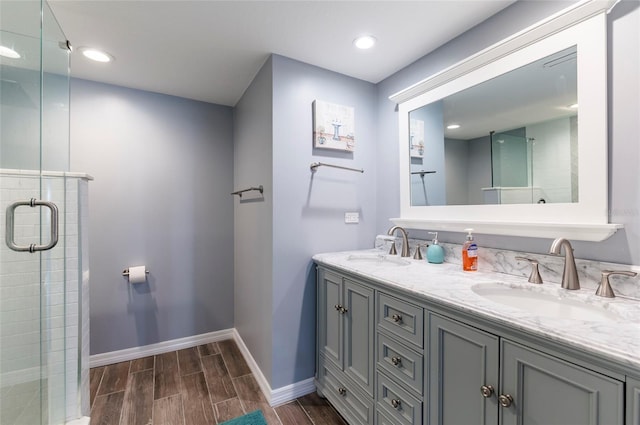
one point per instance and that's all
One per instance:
(253, 228)
(430, 189)
(302, 213)
(308, 209)
(456, 155)
(163, 173)
(479, 171)
(624, 126)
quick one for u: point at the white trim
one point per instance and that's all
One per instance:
(44, 173)
(159, 348)
(586, 219)
(274, 397)
(574, 231)
(573, 14)
(255, 369)
(85, 420)
(285, 394)
(279, 395)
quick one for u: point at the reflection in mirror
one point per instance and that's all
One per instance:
(512, 139)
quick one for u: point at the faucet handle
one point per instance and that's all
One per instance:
(393, 250)
(418, 255)
(534, 277)
(604, 289)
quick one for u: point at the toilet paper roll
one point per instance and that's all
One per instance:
(137, 274)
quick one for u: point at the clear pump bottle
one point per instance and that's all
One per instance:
(469, 253)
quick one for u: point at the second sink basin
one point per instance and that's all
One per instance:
(546, 304)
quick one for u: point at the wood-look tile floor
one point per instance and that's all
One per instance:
(204, 385)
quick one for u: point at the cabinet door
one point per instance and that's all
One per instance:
(633, 401)
(330, 334)
(359, 334)
(547, 390)
(462, 360)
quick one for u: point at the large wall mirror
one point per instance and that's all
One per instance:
(513, 140)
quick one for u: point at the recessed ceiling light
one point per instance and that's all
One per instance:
(365, 42)
(96, 55)
(8, 52)
(574, 106)
(453, 126)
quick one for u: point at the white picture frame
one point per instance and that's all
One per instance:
(333, 126)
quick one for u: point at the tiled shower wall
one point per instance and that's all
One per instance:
(57, 299)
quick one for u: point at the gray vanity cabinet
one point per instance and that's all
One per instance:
(477, 377)
(462, 360)
(345, 337)
(385, 358)
(548, 390)
(633, 401)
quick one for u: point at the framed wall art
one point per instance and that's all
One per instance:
(416, 138)
(333, 126)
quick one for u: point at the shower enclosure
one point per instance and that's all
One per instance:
(512, 169)
(535, 164)
(43, 270)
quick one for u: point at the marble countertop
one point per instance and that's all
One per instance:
(447, 284)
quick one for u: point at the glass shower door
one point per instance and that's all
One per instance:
(34, 139)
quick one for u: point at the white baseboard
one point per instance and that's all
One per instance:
(85, 420)
(285, 394)
(279, 395)
(274, 397)
(159, 348)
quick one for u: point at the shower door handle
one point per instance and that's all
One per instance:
(11, 209)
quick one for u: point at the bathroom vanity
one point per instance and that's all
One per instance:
(403, 341)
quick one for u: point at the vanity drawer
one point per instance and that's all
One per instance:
(397, 403)
(345, 396)
(400, 318)
(400, 362)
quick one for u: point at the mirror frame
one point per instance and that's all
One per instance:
(584, 25)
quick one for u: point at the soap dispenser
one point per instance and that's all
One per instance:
(435, 252)
(469, 253)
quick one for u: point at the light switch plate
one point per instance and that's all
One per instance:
(352, 217)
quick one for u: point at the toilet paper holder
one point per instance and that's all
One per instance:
(125, 272)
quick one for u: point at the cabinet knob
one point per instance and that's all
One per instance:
(487, 391)
(397, 318)
(396, 361)
(395, 403)
(505, 400)
(340, 309)
(342, 391)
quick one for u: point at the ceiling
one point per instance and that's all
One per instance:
(211, 50)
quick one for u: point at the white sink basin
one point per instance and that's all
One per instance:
(378, 259)
(546, 304)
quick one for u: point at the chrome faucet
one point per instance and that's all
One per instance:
(405, 242)
(570, 274)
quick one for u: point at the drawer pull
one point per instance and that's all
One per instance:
(395, 403)
(342, 391)
(396, 361)
(505, 400)
(486, 390)
(397, 318)
(340, 309)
